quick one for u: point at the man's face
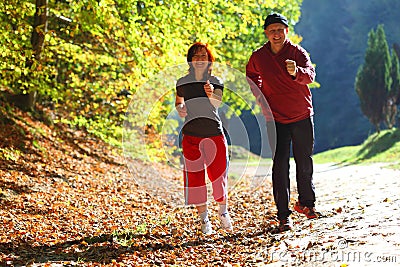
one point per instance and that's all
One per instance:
(276, 33)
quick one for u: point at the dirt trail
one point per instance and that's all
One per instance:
(360, 226)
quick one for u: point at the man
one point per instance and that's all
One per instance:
(279, 73)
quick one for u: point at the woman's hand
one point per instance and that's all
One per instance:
(182, 111)
(209, 89)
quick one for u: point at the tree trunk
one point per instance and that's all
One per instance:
(23, 101)
(27, 100)
(377, 128)
(39, 28)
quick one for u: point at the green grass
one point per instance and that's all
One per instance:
(379, 147)
(238, 153)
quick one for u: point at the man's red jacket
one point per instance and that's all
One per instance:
(289, 98)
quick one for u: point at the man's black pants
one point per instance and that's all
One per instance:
(301, 136)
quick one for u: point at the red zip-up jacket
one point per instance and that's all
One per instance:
(289, 99)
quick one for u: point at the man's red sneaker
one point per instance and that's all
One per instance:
(308, 211)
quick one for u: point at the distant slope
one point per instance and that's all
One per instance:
(379, 147)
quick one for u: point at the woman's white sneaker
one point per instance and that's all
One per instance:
(206, 227)
(226, 222)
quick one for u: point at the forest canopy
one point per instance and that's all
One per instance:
(86, 60)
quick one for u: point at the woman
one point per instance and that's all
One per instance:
(198, 95)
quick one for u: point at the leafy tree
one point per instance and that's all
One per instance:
(15, 47)
(394, 93)
(373, 80)
(96, 56)
(396, 50)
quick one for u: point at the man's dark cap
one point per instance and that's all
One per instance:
(275, 18)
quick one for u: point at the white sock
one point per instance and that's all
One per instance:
(223, 209)
(204, 216)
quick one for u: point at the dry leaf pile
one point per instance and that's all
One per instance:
(67, 198)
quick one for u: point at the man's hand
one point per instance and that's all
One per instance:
(291, 67)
